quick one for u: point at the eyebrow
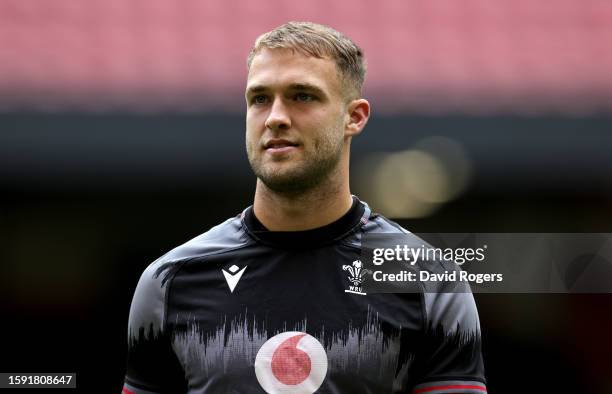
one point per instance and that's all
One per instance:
(294, 86)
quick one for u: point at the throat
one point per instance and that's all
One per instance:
(299, 211)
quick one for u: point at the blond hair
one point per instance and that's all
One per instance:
(312, 39)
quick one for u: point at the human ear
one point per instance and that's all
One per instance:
(358, 112)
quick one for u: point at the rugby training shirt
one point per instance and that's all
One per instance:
(240, 309)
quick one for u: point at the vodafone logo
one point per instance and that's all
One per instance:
(292, 363)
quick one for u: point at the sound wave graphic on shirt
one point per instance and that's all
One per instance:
(369, 350)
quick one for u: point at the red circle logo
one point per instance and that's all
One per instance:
(291, 362)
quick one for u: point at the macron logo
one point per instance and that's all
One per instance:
(233, 276)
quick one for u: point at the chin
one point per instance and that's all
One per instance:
(285, 181)
(281, 170)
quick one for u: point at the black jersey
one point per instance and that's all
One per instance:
(240, 309)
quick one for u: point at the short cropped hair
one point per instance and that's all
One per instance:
(312, 39)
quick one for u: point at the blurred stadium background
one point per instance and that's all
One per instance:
(121, 136)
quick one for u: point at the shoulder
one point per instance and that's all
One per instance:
(148, 305)
(449, 307)
(225, 236)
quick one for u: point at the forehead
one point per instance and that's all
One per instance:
(279, 67)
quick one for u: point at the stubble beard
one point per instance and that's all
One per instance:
(313, 171)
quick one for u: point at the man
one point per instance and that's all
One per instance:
(258, 303)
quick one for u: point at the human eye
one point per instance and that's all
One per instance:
(259, 99)
(305, 97)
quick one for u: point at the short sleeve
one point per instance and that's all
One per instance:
(152, 365)
(450, 356)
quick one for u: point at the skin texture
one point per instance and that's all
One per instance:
(299, 125)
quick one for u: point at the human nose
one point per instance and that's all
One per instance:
(278, 118)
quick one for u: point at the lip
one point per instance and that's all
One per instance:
(285, 149)
(278, 146)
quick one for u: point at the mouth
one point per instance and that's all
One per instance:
(277, 146)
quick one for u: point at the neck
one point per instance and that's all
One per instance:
(313, 208)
